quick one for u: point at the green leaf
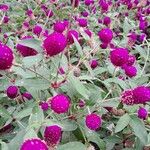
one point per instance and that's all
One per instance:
(24, 113)
(77, 84)
(32, 43)
(139, 129)
(122, 123)
(32, 60)
(72, 146)
(3, 146)
(78, 46)
(17, 140)
(65, 125)
(4, 113)
(30, 134)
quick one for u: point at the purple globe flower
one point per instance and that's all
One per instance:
(52, 135)
(59, 26)
(84, 13)
(127, 97)
(105, 35)
(34, 144)
(27, 95)
(37, 29)
(141, 94)
(55, 43)
(44, 106)
(6, 57)
(107, 21)
(142, 113)
(130, 71)
(88, 2)
(93, 63)
(119, 56)
(12, 92)
(6, 19)
(60, 103)
(88, 32)
(82, 22)
(131, 60)
(93, 121)
(4, 7)
(76, 3)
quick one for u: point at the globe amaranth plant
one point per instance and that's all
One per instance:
(74, 74)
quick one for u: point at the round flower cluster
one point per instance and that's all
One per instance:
(138, 95)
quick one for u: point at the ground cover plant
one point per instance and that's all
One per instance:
(74, 74)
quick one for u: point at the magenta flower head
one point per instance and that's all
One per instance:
(88, 2)
(72, 33)
(6, 57)
(44, 106)
(82, 22)
(12, 92)
(52, 135)
(142, 113)
(37, 29)
(93, 121)
(141, 94)
(24, 50)
(81, 103)
(107, 21)
(29, 12)
(6, 19)
(4, 7)
(61, 70)
(131, 60)
(130, 71)
(88, 32)
(27, 95)
(142, 25)
(127, 97)
(119, 56)
(105, 35)
(103, 5)
(93, 63)
(84, 13)
(104, 45)
(60, 103)
(34, 144)
(59, 26)
(76, 3)
(55, 43)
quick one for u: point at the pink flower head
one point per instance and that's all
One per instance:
(6, 19)
(72, 33)
(142, 113)
(81, 103)
(55, 43)
(107, 20)
(141, 94)
(131, 60)
(59, 26)
(60, 103)
(84, 13)
(49, 13)
(119, 56)
(27, 95)
(93, 121)
(34, 144)
(37, 29)
(29, 12)
(93, 63)
(12, 92)
(44, 106)
(24, 50)
(104, 45)
(88, 2)
(105, 35)
(130, 71)
(52, 135)
(6, 57)
(127, 97)
(4, 7)
(82, 22)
